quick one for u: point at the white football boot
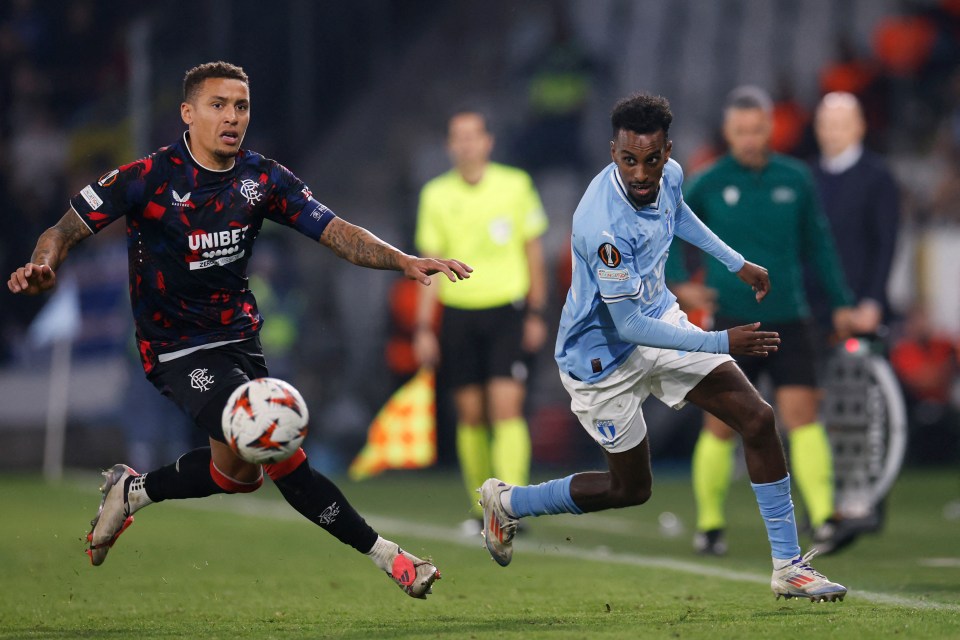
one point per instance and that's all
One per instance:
(114, 515)
(800, 580)
(499, 527)
(413, 575)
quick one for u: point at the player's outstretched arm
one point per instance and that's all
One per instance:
(359, 246)
(757, 277)
(745, 340)
(52, 248)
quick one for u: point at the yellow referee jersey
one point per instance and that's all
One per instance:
(486, 225)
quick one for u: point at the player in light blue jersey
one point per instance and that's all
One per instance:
(623, 337)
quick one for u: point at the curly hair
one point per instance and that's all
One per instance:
(642, 113)
(194, 77)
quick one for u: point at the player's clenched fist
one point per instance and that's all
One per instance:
(745, 340)
(32, 279)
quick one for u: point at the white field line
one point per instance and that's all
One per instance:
(260, 508)
(942, 563)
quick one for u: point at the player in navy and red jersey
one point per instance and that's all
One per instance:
(193, 211)
(197, 225)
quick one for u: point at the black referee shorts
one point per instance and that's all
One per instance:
(201, 382)
(479, 344)
(795, 363)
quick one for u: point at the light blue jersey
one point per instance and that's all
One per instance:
(619, 253)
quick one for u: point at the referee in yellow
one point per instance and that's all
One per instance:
(491, 215)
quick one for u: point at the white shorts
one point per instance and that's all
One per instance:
(610, 410)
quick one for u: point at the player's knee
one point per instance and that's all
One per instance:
(631, 496)
(758, 419)
(642, 495)
(233, 485)
(280, 470)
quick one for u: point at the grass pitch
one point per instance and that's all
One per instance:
(250, 567)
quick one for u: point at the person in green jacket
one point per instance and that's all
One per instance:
(766, 205)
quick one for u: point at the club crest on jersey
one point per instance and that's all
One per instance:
(609, 255)
(182, 201)
(250, 190)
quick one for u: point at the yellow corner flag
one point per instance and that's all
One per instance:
(403, 435)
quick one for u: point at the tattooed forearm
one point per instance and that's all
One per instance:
(359, 246)
(54, 243)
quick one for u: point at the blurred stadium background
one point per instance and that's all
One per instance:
(353, 97)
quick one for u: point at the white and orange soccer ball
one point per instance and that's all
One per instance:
(265, 420)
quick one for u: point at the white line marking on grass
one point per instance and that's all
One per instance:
(952, 563)
(260, 508)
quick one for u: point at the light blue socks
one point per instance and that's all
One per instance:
(776, 507)
(546, 498)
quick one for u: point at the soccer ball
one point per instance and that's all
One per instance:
(265, 420)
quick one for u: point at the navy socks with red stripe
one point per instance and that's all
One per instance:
(306, 490)
(188, 477)
(321, 502)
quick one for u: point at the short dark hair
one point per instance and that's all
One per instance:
(470, 109)
(194, 77)
(642, 113)
(749, 97)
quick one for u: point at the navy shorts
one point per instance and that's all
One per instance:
(795, 363)
(201, 382)
(479, 344)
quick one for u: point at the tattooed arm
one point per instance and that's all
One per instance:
(39, 275)
(359, 246)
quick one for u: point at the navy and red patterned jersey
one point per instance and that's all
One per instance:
(190, 233)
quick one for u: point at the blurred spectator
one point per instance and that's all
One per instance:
(89, 35)
(945, 203)
(281, 302)
(764, 204)
(859, 75)
(558, 87)
(790, 119)
(401, 359)
(402, 362)
(861, 201)
(945, 206)
(926, 364)
(707, 153)
(849, 72)
(40, 149)
(948, 135)
(906, 47)
(903, 43)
